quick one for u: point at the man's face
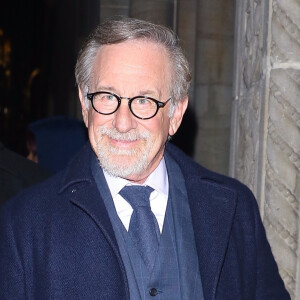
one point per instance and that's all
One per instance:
(126, 146)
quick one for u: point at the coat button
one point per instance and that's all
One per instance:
(153, 292)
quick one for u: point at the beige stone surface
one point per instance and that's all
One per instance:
(282, 188)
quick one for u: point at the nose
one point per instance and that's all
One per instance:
(124, 120)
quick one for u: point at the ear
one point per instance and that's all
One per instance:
(176, 119)
(84, 110)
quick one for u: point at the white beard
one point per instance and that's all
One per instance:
(123, 162)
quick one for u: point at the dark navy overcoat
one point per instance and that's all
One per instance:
(57, 241)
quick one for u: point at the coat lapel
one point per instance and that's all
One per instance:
(92, 204)
(86, 197)
(212, 207)
(79, 179)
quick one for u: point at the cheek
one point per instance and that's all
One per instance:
(163, 126)
(94, 121)
(159, 129)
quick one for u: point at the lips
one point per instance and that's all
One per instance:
(123, 143)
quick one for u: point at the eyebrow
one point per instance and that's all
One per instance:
(140, 93)
(148, 92)
(106, 88)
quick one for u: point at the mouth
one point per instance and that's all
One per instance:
(124, 144)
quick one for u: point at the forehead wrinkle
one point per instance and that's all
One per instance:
(99, 73)
(148, 92)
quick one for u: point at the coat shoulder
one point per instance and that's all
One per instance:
(192, 170)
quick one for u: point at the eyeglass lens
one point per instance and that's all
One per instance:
(108, 103)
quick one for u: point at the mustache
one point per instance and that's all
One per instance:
(129, 136)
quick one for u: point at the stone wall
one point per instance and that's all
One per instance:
(265, 140)
(213, 75)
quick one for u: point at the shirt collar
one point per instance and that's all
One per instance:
(158, 180)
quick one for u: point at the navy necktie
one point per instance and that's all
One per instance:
(143, 226)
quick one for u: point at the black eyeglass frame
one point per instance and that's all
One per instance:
(159, 104)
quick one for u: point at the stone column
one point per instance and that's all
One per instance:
(265, 138)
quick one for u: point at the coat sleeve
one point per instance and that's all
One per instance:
(11, 270)
(269, 284)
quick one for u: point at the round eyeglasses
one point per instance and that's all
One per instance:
(142, 107)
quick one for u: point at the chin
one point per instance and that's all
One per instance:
(126, 164)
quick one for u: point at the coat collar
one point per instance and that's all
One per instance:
(212, 203)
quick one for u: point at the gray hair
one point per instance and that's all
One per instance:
(118, 30)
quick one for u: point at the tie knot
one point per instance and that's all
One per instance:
(137, 195)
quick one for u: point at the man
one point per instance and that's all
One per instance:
(132, 218)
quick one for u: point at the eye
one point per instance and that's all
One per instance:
(109, 97)
(143, 101)
(105, 98)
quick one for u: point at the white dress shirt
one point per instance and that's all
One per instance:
(158, 180)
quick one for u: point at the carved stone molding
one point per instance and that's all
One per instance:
(285, 31)
(282, 187)
(250, 50)
(253, 55)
